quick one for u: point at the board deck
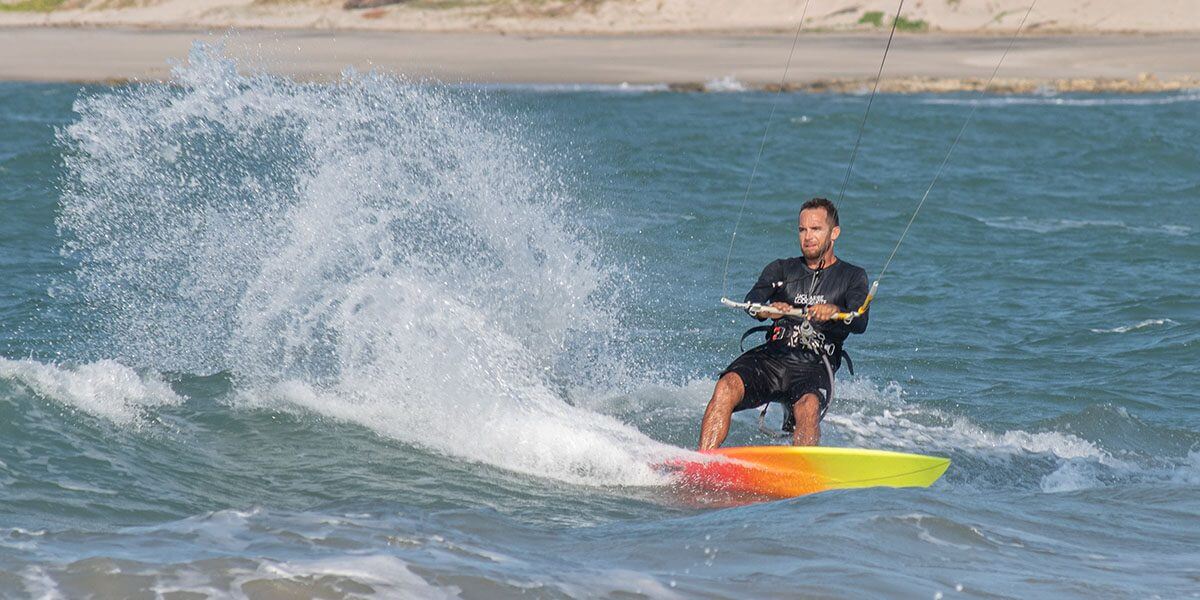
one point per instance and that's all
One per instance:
(787, 471)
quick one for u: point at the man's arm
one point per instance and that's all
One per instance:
(765, 290)
(855, 295)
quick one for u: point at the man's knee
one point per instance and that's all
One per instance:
(731, 382)
(807, 411)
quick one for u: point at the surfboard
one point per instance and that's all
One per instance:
(788, 471)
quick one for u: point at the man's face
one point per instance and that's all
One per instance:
(816, 235)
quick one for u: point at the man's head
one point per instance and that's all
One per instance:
(818, 228)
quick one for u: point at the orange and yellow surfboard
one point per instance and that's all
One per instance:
(787, 471)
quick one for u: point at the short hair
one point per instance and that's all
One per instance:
(824, 203)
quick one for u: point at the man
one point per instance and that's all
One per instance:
(795, 365)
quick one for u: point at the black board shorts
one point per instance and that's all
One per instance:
(777, 373)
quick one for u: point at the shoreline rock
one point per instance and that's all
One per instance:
(1146, 83)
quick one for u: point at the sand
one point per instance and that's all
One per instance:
(625, 16)
(842, 62)
(688, 44)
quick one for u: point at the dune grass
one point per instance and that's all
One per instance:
(904, 24)
(874, 18)
(32, 6)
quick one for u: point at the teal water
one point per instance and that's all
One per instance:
(268, 339)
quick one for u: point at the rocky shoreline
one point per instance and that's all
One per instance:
(1144, 84)
(914, 85)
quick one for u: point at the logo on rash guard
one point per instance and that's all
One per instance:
(807, 300)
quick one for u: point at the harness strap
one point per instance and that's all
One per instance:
(750, 332)
(762, 425)
(829, 372)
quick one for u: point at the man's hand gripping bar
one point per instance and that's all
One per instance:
(754, 308)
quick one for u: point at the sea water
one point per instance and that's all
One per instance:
(379, 337)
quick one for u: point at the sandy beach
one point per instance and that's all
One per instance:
(843, 62)
(974, 17)
(684, 44)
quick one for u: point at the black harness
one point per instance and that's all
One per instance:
(789, 334)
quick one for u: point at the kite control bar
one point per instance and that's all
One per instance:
(754, 308)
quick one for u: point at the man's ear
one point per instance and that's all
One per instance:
(837, 230)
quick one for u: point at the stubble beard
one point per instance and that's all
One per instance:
(817, 253)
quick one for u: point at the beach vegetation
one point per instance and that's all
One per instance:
(31, 6)
(905, 24)
(1000, 16)
(447, 4)
(491, 7)
(872, 17)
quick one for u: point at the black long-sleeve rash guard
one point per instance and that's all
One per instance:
(790, 280)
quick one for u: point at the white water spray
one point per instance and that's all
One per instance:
(374, 250)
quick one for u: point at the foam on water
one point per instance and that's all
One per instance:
(1052, 225)
(1189, 472)
(105, 388)
(1071, 101)
(728, 83)
(552, 88)
(1139, 325)
(1071, 476)
(881, 418)
(375, 250)
(20, 539)
(218, 529)
(386, 576)
(351, 576)
(875, 417)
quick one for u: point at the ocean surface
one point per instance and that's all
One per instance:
(383, 338)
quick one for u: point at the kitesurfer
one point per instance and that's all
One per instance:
(795, 366)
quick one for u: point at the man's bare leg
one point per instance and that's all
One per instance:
(807, 411)
(726, 395)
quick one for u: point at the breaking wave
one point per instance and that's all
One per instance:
(105, 388)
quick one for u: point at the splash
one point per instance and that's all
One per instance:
(105, 388)
(376, 250)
